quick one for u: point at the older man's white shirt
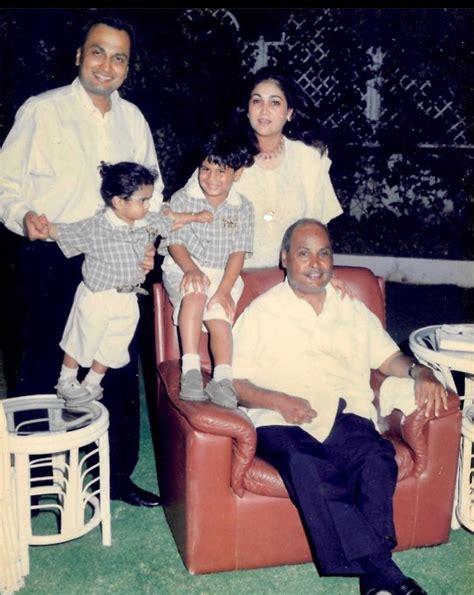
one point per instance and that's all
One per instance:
(280, 343)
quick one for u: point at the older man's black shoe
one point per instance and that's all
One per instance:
(409, 587)
(132, 494)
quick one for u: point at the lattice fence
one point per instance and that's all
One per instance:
(364, 88)
(398, 115)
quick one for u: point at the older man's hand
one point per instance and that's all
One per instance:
(430, 394)
(295, 410)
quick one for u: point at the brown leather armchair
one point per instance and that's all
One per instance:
(228, 509)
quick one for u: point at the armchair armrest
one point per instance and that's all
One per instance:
(210, 418)
(415, 426)
(413, 429)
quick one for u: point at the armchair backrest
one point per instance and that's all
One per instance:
(365, 286)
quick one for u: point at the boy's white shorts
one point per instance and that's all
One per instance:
(172, 277)
(100, 327)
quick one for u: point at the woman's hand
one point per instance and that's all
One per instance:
(342, 287)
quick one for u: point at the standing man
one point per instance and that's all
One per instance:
(49, 165)
(302, 361)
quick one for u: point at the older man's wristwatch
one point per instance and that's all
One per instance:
(411, 367)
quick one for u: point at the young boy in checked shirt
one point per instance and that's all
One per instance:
(201, 273)
(105, 311)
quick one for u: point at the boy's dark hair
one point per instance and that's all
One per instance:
(114, 23)
(123, 179)
(229, 148)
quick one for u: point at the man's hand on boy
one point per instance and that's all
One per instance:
(36, 226)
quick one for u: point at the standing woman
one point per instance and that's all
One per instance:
(290, 176)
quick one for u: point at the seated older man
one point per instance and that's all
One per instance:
(302, 361)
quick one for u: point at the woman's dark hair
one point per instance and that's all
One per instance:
(123, 179)
(112, 22)
(229, 148)
(302, 124)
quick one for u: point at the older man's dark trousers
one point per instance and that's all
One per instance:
(343, 488)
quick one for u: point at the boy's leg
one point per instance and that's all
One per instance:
(70, 362)
(220, 389)
(190, 325)
(220, 332)
(190, 321)
(93, 379)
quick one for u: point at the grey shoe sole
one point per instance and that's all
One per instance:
(72, 403)
(196, 398)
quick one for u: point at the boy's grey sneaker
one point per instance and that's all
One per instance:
(73, 392)
(192, 388)
(95, 390)
(76, 394)
(222, 393)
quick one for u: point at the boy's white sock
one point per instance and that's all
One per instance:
(222, 371)
(93, 378)
(190, 361)
(67, 373)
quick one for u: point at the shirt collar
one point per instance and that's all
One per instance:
(115, 221)
(86, 99)
(193, 188)
(112, 218)
(302, 305)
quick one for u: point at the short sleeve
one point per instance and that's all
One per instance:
(75, 238)
(322, 202)
(381, 344)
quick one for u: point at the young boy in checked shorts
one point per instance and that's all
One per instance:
(105, 311)
(201, 273)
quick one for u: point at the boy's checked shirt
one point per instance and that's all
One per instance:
(113, 249)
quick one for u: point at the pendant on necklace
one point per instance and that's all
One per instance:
(268, 216)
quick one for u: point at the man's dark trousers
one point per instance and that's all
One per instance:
(342, 487)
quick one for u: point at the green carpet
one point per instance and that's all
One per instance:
(144, 559)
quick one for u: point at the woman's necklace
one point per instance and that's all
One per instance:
(266, 155)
